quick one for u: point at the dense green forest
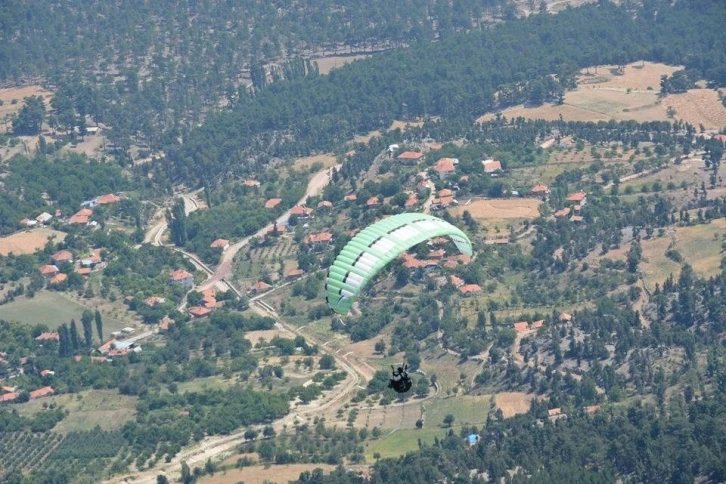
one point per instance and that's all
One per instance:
(316, 112)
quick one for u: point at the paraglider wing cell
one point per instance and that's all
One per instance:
(377, 245)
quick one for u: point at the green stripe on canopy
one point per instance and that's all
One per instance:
(377, 245)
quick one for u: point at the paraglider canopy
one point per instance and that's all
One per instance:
(377, 245)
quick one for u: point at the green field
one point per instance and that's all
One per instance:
(201, 384)
(52, 309)
(402, 441)
(466, 409)
(106, 408)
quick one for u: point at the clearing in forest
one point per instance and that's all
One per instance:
(466, 409)
(606, 95)
(29, 241)
(513, 403)
(328, 63)
(7, 96)
(326, 160)
(263, 473)
(105, 408)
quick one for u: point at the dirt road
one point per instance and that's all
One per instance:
(316, 185)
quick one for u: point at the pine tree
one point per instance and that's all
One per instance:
(99, 325)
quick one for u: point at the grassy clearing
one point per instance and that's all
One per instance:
(448, 370)
(201, 384)
(106, 408)
(401, 442)
(261, 473)
(466, 409)
(52, 309)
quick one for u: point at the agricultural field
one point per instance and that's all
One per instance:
(273, 260)
(53, 309)
(105, 408)
(390, 417)
(203, 384)
(403, 441)
(466, 409)
(513, 403)
(328, 63)
(263, 474)
(499, 212)
(25, 451)
(29, 241)
(448, 370)
(604, 94)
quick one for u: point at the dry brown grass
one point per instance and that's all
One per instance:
(18, 93)
(513, 403)
(327, 160)
(500, 210)
(260, 474)
(267, 334)
(28, 242)
(603, 96)
(327, 64)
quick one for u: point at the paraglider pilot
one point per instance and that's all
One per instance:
(400, 381)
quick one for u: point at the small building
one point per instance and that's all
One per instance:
(565, 317)
(301, 211)
(48, 336)
(42, 392)
(165, 324)
(521, 326)
(84, 271)
(81, 217)
(456, 281)
(45, 373)
(351, 197)
(259, 287)
(8, 397)
(325, 205)
(128, 330)
(199, 312)
(220, 244)
(446, 167)
(537, 324)
(154, 300)
(437, 254)
(443, 202)
(319, 241)
(59, 278)
(108, 199)
(116, 334)
(373, 202)
(472, 439)
(48, 270)
(541, 191)
(410, 157)
(273, 202)
(577, 199)
(43, 218)
(28, 222)
(294, 274)
(563, 213)
(181, 277)
(492, 166)
(469, 290)
(62, 256)
(445, 192)
(251, 183)
(412, 201)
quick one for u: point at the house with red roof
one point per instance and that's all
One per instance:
(373, 202)
(492, 166)
(48, 336)
(8, 397)
(48, 270)
(456, 281)
(59, 278)
(41, 393)
(319, 241)
(294, 274)
(199, 312)
(301, 211)
(258, 288)
(469, 290)
(541, 191)
(220, 244)
(108, 199)
(412, 200)
(445, 167)
(351, 197)
(62, 256)
(410, 157)
(180, 277)
(273, 202)
(521, 326)
(325, 205)
(577, 199)
(537, 324)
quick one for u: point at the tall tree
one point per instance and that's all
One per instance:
(99, 325)
(64, 342)
(87, 322)
(75, 340)
(176, 218)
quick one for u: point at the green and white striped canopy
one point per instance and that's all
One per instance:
(377, 245)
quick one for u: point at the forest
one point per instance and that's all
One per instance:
(428, 79)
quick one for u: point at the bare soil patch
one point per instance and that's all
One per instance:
(496, 209)
(327, 64)
(327, 160)
(638, 76)
(513, 403)
(28, 242)
(259, 474)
